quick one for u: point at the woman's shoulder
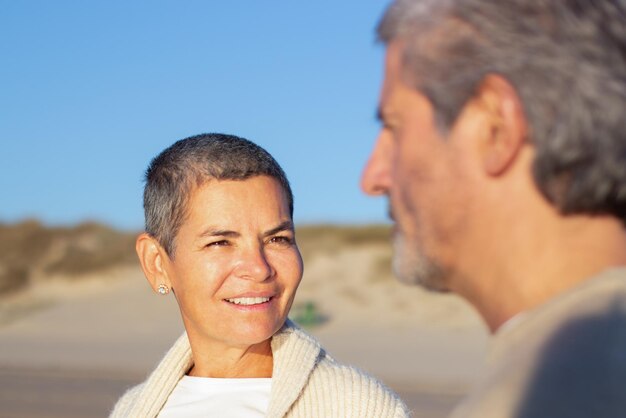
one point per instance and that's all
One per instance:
(343, 388)
(125, 403)
(147, 398)
(373, 397)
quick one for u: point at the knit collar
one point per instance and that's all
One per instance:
(295, 356)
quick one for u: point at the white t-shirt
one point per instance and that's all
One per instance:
(200, 397)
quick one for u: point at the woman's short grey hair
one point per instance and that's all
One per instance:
(189, 163)
(565, 58)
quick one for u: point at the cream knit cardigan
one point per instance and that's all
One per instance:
(306, 382)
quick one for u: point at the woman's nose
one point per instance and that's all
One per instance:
(254, 265)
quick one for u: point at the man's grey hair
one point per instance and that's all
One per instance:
(173, 174)
(567, 62)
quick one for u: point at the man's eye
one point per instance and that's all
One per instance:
(390, 127)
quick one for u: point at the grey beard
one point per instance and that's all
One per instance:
(412, 266)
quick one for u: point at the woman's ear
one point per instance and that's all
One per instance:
(506, 130)
(153, 258)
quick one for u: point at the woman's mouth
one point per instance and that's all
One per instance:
(248, 301)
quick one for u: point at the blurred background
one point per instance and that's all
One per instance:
(91, 91)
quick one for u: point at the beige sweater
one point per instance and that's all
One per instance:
(306, 382)
(566, 358)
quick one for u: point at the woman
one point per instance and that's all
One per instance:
(219, 235)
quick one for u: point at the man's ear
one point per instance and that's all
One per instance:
(506, 128)
(153, 259)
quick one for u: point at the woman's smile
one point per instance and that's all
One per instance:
(251, 304)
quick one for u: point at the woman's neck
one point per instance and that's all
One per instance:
(232, 362)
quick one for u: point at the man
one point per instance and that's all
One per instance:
(503, 155)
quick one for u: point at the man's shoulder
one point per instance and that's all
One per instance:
(601, 299)
(583, 319)
(567, 358)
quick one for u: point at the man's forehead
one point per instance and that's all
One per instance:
(393, 73)
(393, 60)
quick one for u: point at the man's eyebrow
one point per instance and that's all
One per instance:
(379, 114)
(285, 226)
(215, 232)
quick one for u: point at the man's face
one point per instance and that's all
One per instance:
(423, 176)
(237, 266)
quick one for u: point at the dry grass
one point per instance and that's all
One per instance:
(30, 251)
(315, 240)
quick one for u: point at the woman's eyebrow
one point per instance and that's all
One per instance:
(215, 232)
(285, 226)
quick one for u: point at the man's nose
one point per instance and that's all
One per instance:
(254, 265)
(376, 176)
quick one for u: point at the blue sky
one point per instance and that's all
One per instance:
(91, 91)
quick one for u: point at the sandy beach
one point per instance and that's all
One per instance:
(69, 348)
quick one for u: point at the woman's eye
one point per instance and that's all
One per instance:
(282, 240)
(220, 243)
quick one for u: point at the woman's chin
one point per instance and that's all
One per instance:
(252, 335)
(244, 335)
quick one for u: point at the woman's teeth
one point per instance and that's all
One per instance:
(248, 301)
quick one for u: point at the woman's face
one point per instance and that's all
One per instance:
(236, 265)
